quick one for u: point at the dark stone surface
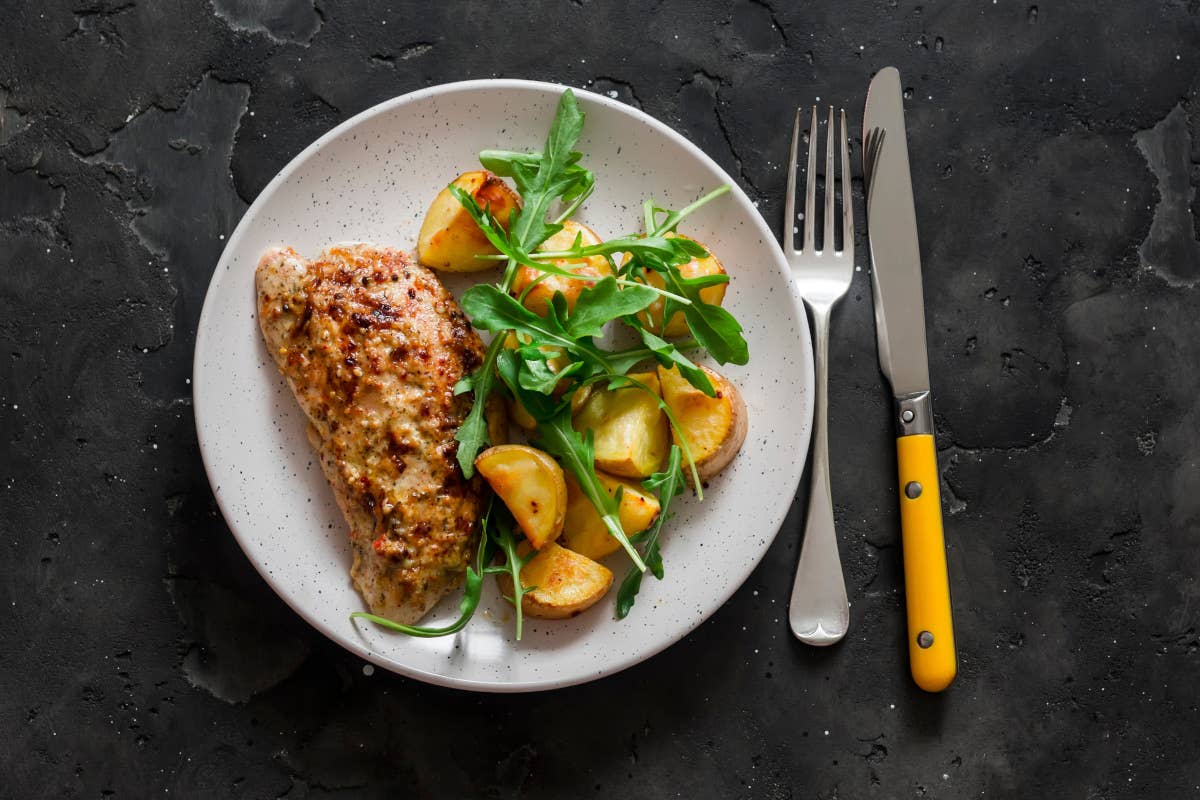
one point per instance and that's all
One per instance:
(1057, 150)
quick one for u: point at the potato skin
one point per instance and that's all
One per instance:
(531, 484)
(584, 531)
(540, 294)
(566, 582)
(449, 239)
(677, 325)
(715, 427)
(630, 433)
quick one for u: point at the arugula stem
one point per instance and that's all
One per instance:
(682, 345)
(673, 219)
(575, 204)
(678, 298)
(533, 283)
(417, 630)
(513, 564)
(585, 473)
(667, 484)
(648, 213)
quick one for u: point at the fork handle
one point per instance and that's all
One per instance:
(819, 613)
(932, 657)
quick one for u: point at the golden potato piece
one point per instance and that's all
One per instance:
(449, 238)
(715, 427)
(584, 531)
(630, 432)
(531, 484)
(651, 316)
(566, 583)
(540, 294)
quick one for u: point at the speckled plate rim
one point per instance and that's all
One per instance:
(793, 471)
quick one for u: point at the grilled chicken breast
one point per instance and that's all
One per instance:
(372, 345)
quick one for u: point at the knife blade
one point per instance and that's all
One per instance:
(900, 332)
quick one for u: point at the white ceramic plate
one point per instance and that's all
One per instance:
(371, 179)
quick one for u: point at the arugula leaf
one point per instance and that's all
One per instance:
(669, 356)
(668, 484)
(718, 332)
(492, 309)
(520, 166)
(472, 591)
(552, 178)
(554, 175)
(713, 327)
(675, 217)
(603, 302)
(539, 405)
(472, 434)
(538, 375)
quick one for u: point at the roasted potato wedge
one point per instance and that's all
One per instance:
(449, 239)
(566, 583)
(652, 315)
(630, 431)
(584, 531)
(540, 294)
(715, 427)
(531, 484)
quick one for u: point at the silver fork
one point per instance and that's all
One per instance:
(819, 613)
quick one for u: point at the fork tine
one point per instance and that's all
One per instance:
(827, 241)
(810, 188)
(789, 203)
(847, 198)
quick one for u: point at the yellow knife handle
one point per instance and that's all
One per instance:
(926, 580)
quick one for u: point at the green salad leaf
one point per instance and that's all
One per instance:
(553, 174)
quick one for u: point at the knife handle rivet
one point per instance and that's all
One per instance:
(912, 490)
(907, 415)
(925, 640)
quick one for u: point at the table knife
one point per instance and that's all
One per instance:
(900, 330)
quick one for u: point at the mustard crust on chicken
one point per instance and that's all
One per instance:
(372, 344)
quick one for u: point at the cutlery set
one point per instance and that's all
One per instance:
(818, 610)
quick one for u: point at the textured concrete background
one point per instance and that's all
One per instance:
(1057, 150)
